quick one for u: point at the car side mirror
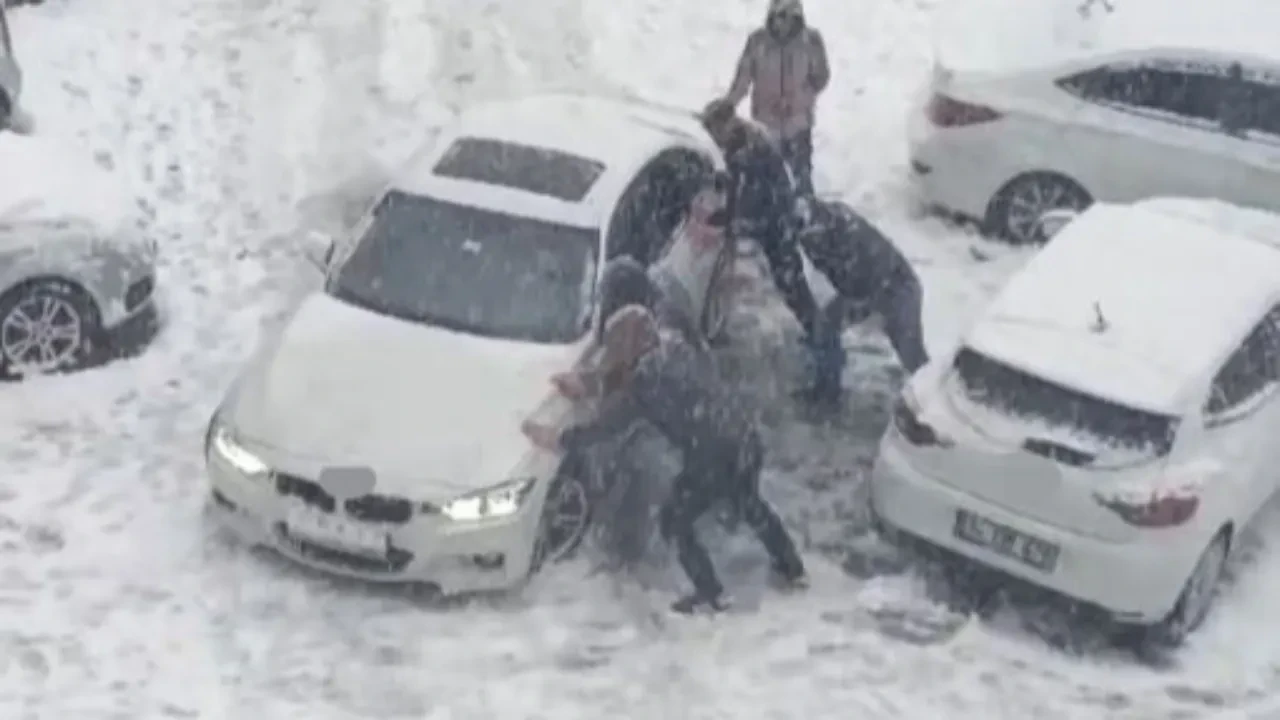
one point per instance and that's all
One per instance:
(318, 248)
(1052, 222)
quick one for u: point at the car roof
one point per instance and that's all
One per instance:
(1137, 304)
(1019, 35)
(620, 134)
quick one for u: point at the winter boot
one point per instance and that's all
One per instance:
(695, 603)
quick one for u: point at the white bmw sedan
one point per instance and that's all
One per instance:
(379, 435)
(1038, 106)
(1106, 429)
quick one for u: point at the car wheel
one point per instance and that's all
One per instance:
(6, 109)
(46, 326)
(1015, 212)
(566, 517)
(1196, 599)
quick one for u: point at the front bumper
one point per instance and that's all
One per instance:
(453, 557)
(1133, 582)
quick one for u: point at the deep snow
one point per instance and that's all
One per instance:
(119, 602)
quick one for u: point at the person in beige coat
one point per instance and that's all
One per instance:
(784, 67)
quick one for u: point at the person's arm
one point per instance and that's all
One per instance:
(616, 414)
(819, 66)
(744, 73)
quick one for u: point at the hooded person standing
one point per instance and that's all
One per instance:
(784, 66)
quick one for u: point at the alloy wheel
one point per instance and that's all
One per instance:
(1029, 200)
(565, 522)
(41, 333)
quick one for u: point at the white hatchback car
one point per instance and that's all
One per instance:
(379, 435)
(1036, 106)
(1107, 426)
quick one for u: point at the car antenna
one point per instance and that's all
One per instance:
(1100, 323)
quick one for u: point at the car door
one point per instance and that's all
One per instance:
(1152, 123)
(1243, 411)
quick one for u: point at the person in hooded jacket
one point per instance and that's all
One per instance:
(784, 66)
(660, 380)
(761, 202)
(871, 277)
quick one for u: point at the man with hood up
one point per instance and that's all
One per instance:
(660, 380)
(784, 66)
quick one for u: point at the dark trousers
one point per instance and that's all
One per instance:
(798, 152)
(707, 482)
(899, 304)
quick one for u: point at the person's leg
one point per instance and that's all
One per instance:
(787, 268)
(798, 151)
(901, 308)
(829, 358)
(690, 498)
(763, 519)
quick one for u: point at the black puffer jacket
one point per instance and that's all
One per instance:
(859, 260)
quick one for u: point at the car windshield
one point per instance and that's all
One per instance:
(997, 386)
(471, 270)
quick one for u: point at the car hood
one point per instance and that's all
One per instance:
(430, 410)
(45, 182)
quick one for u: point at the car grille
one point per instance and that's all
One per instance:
(366, 508)
(138, 293)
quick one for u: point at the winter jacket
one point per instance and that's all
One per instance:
(761, 204)
(861, 263)
(784, 75)
(625, 282)
(675, 391)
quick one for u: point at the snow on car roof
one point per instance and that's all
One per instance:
(620, 135)
(1131, 303)
(46, 181)
(995, 35)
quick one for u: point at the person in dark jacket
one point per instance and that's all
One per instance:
(784, 66)
(660, 380)
(761, 203)
(871, 277)
(625, 282)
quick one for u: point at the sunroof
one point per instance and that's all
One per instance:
(536, 170)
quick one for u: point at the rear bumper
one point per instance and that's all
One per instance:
(954, 172)
(1135, 582)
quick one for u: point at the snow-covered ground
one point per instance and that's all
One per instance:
(117, 600)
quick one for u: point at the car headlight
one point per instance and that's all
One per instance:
(223, 444)
(495, 502)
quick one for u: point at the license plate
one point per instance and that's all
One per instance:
(1004, 540)
(334, 531)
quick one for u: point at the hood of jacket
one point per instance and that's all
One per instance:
(795, 7)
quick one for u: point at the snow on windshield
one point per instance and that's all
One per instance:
(473, 270)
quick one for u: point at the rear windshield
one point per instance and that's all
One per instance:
(535, 170)
(999, 387)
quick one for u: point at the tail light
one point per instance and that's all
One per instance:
(911, 427)
(1158, 511)
(945, 111)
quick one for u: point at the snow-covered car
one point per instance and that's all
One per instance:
(1106, 427)
(76, 276)
(1035, 106)
(378, 436)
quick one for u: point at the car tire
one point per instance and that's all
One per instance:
(1016, 208)
(555, 542)
(6, 109)
(1195, 601)
(60, 309)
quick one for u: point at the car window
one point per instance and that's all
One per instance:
(1251, 369)
(471, 270)
(557, 174)
(1184, 91)
(995, 385)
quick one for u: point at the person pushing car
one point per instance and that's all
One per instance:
(871, 277)
(660, 379)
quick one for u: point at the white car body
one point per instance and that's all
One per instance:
(434, 412)
(1120, 327)
(65, 221)
(1042, 90)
